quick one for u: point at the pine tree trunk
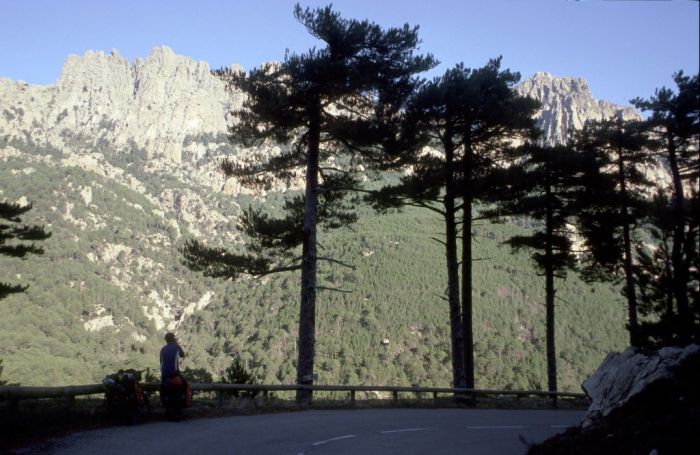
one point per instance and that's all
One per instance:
(307, 310)
(467, 302)
(456, 330)
(633, 325)
(680, 271)
(670, 325)
(549, 293)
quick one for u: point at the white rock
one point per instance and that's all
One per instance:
(623, 375)
(566, 104)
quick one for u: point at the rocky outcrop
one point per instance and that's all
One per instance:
(158, 105)
(623, 376)
(566, 104)
(642, 403)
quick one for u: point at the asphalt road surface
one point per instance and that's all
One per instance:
(365, 432)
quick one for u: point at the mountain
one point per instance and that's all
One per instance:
(566, 104)
(121, 163)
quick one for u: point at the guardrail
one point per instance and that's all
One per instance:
(16, 393)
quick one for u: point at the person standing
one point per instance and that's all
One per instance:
(170, 356)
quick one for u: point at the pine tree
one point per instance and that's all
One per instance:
(492, 116)
(432, 119)
(336, 101)
(654, 274)
(471, 115)
(237, 374)
(675, 122)
(615, 201)
(14, 236)
(547, 186)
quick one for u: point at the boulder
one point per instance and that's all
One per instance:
(641, 403)
(623, 376)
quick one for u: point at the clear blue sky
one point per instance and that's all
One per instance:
(623, 48)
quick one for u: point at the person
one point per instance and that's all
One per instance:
(170, 356)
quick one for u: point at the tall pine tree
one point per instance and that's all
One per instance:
(675, 122)
(491, 117)
(614, 203)
(341, 99)
(432, 115)
(546, 186)
(470, 116)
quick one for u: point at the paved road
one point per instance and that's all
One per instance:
(369, 431)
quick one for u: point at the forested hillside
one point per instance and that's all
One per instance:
(84, 315)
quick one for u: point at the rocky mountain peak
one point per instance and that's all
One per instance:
(567, 104)
(154, 104)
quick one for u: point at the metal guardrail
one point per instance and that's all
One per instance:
(16, 393)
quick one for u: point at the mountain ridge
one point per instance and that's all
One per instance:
(158, 101)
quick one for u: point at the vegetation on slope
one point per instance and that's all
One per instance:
(397, 292)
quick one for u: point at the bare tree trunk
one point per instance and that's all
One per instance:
(307, 310)
(633, 324)
(456, 330)
(680, 271)
(550, 293)
(467, 302)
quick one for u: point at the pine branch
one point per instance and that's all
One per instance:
(336, 261)
(277, 270)
(6, 289)
(324, 288)
(441, 242)
(441, 297)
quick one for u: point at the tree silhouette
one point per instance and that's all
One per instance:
(614, 202)
(675, 122)
(654, 274)
(330, 102)
(14, 236)
(546, 186)
(491, 116)
(471, 116)
(432, 118)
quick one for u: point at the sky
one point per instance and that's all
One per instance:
(624, 49)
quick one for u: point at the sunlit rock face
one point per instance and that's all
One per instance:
(625, 376)
(566, 104)
(153, 104)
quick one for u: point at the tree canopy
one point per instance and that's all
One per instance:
(17, 239)
(339, 101)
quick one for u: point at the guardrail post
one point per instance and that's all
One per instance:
(352, 398)
(70, 404)
(10, 418)
(220, 398)
(555, 400)
(395, 393)
(435, 401)
(264, 397)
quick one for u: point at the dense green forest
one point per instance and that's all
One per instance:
(390, 327)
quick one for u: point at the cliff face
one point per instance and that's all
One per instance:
(173, 109)
(566, 104)
(154, 104)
